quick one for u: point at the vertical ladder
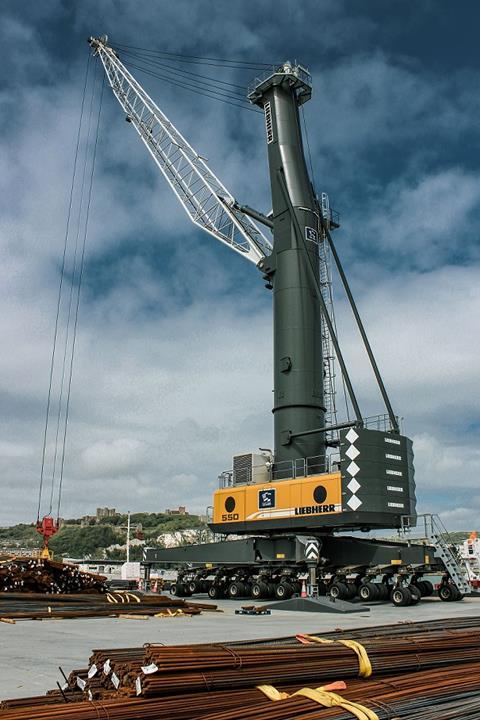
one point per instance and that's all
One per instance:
(327, 346)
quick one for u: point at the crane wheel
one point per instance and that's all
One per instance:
(352, 591)
(401, 596)
(215, 592)
(180, 589)
(260, 590)
(449, 593)
(339, 591)
(383, 591)
(283, 591)
(237, 589)
(415, 593)
(368, 592)
(426, 587)
(322, 587)
(271, 589)
(457, 594)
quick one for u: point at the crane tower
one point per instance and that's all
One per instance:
(299, 497)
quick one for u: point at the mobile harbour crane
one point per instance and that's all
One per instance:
(322, 476)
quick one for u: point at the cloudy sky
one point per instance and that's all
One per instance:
(172, 369)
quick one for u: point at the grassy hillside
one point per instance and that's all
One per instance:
(76, 540)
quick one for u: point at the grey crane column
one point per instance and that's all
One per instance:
(298, 362)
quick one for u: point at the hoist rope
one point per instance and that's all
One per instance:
(328, 270)
(73, 270)
(159, 65)
(79, 287)
(305, 130)
(180, 71)
(73, 274)
(228, 99)
(199, 60)
(59, 298)
(196, 84)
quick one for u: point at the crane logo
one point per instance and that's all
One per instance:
(266, 499)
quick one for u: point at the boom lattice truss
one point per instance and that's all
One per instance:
(206, 200)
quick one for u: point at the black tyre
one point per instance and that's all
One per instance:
(401, 596)
(259, 590)
(447, 593)
(173, 589)
(383, 591)
(193, 587)
(322, 587)
(338, 591)
(271, 589)
(423, 589)
(283, 591)
(458, 594)
(351, 591)
(235, 590)
(182, 589)
(215, 592)
(415, 593)
(426, 587)
(368, 592)
(297, 587)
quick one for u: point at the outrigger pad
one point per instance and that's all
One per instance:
(321, 604)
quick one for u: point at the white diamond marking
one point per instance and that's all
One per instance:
(354, 502)
(352, 469)
(353, 485)
(352, 452)
(351, 435)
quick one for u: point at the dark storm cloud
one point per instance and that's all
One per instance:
(173, 368)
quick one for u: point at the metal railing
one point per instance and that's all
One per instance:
(379, 422)
(287, 69)
(285, 470)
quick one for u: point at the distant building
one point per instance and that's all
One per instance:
(106, 513)
(100, 515)
(180, 511)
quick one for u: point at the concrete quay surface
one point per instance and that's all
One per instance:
(31, 651)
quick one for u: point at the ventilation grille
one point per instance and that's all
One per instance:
(242, 468)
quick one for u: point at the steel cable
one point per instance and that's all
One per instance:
(198, 60)
(62, 273)
(212, 94)
(79, 288)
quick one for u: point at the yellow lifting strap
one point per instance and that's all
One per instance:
(322, 697)
(364, 664)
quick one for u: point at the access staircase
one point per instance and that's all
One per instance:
(437, 535)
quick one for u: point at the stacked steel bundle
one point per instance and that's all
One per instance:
(423, 673)
(39, 575)
(25, 606)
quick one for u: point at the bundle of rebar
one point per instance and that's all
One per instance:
(217, 668)
(420, 671)
(39, 575)
(435, 691)
(38, 606)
